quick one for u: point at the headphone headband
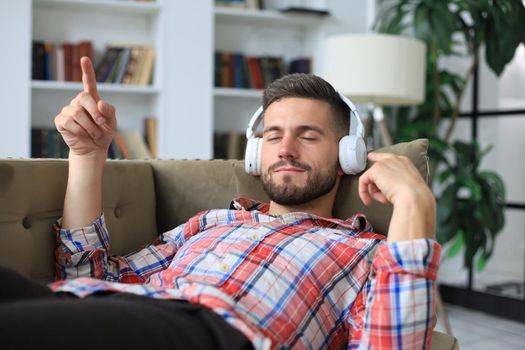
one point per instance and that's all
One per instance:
(257, 118)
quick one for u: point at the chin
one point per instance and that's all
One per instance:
(293, 179)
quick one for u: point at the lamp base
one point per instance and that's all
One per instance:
(376, 130)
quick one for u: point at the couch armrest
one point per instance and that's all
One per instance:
(442, 341)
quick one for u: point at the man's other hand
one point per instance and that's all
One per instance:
(394, 179)
(88, 123)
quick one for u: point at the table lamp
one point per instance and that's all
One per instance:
(376, 69)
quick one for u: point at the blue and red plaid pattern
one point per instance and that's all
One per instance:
(291, 281)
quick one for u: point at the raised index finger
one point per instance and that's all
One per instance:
(88, 78)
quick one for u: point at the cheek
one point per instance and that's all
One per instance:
(267, 155)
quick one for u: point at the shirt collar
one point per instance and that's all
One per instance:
(357, 222)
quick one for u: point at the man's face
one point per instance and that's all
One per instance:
(299, 151)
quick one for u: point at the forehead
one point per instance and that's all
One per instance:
(296, 111)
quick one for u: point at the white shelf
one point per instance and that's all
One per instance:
(235, 92)
(102, 5)
(266, 17)
(102, 87)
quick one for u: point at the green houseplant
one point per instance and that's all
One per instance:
(462, 28)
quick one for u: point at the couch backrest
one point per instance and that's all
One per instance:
(187, 187)
(32, 198)
(141, 199)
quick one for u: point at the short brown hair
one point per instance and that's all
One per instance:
(313, 87)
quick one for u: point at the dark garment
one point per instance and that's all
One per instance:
(32, 316)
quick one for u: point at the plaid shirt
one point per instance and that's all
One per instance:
(291, 281)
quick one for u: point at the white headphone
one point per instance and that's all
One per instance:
(352, 148)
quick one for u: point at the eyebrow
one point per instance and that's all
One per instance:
(301, 128)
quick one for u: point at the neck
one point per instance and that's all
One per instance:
(321, 206)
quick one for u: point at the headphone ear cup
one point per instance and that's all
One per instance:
(352, 154)
(252, 158)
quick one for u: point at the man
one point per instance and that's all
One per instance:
(279, 275)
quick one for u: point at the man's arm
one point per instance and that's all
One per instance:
(87, 126)
(84, 252)
(399, 311)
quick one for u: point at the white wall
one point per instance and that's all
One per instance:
(15, 70)
(187, 80)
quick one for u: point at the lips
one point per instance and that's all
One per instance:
(288, 169)
(288, 166)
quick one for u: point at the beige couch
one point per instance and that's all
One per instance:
(143, 198)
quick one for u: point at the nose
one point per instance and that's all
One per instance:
(288, 148)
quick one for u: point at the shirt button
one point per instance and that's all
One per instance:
(255, 237)
(225, 267)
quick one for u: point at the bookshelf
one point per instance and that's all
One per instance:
(185, 35)
(267, 32)
(256, 33)
(171, 97)
(101, 22)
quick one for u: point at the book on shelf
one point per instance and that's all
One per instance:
(301, 65)
(38, 67)
(150, 134)
(129, 144)
(126, 64)
(229, 145)
(236, 70)
(59, 61)
(120, 63)
(135, 143)
(126, 144)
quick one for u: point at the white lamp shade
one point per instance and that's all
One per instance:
(380, 68)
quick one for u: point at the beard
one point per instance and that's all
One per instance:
(287, 193)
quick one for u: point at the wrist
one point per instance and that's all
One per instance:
(91, 158)
(414, 215)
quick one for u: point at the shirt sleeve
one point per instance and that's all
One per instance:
(396, 307)
(83, 252)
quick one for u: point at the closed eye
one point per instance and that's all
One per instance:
(273, 138)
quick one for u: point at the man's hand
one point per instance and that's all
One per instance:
(88, 123)
(394, 179)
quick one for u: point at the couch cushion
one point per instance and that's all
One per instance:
(32, 197)
(187, 187)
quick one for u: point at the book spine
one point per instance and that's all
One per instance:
(106, 64)
(131, 66)
(115, 66)
(122, 146)
(126, 53)
(60, 69)
(38, 61)
(76, 72)
(237, 70)
(68, 48)
(150, 127)
(147, 69)
(255, 73)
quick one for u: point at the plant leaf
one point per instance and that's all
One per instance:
(481, 262)
(456, 246)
